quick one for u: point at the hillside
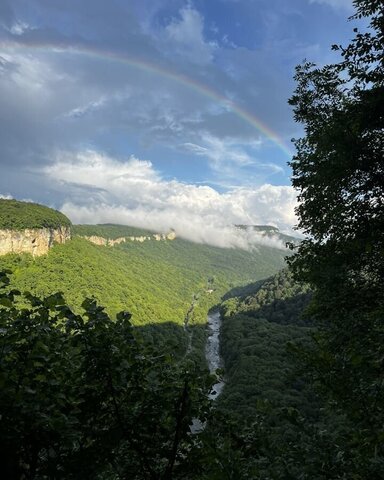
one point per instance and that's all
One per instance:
(256, 330)
(268, 231)
(270, 417)
(266, 399)
(109, 230)
(156, 281)
(31, 228)
(16, 215)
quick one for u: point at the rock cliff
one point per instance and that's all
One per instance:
(111, 242)
(36, 241)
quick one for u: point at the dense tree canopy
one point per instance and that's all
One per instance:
(83, 397)
(18, 215)
(155, 281)
(254, 336)
(339, 173)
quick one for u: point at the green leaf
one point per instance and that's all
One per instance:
(6, 302)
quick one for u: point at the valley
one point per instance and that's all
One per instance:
(173, 290)
(194, 351)
(157, 319)
(155, 281)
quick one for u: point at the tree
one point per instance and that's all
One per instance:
(339, 173)
(84, 397)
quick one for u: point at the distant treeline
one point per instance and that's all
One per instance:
(110, 231)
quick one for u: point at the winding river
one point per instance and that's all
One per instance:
(214, 361)
(212, 350)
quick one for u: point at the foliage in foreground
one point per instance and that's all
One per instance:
(339, 173)
(83, 397)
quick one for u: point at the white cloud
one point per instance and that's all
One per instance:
(224, 151)
(30, 76)
(90, 107)
(18, 28)
(336, 4)
(92, 168)
(269, 204)
(132, 192)
(186, 35)
(227, 157)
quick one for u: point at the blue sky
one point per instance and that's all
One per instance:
(148, 111)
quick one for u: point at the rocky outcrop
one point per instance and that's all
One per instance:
(36, 241)
(116, 241)
(111, 242)
(97, 240)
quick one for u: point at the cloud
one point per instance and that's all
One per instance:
(151, 77)
(230, 159)
(96, 102)
(132, 192)
(221, 152)
(31, 107)
(187, 38)
(336, 4)
(19, 28)
(55, 97)
(6, 15)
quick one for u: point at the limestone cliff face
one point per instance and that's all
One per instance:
(36, 241)
(110, 242)
(97, 240)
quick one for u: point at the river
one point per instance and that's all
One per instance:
(212, 350)
(214, 361)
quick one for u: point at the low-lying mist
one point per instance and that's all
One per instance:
(205, 230)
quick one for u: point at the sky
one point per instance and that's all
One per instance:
(158, 113)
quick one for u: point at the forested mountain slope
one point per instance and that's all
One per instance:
(16, 215)
(155, 281)
(256, 330)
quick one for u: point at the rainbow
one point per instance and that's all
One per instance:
(152, 68)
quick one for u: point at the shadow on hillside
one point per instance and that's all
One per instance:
(244, 290)
(172, 339)
(289, 311)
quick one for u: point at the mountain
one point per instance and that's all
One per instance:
(166, 284)
(16, 215)
(87, 368)
(31, 228)
(269, 231)
(156, 280)
(257, 325)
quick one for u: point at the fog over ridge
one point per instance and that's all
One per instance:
(97, 188)
(132, 192)
(192, 228)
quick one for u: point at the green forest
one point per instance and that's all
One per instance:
(17, 215)
(255, 332)
(156, 281)
(102, 365)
